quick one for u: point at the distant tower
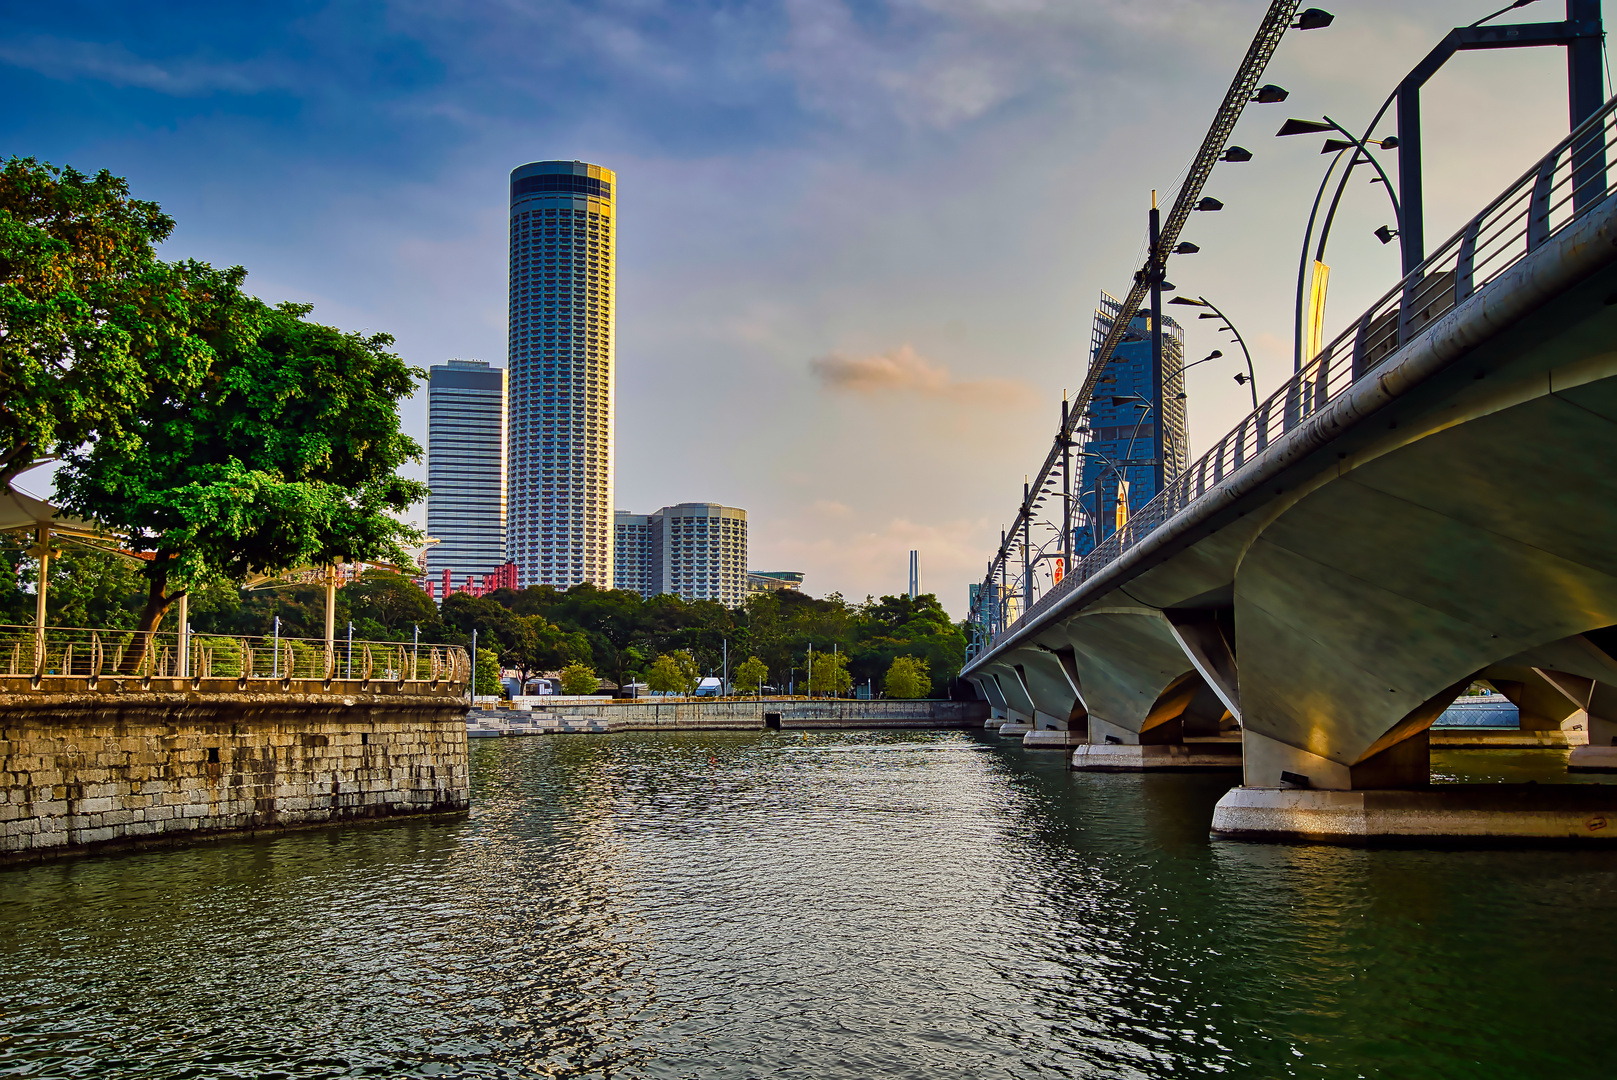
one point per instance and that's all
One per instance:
(915, 574)
(561, 348)
(466, 467)
(1128, 431)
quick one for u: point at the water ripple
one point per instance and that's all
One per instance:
(730, 905)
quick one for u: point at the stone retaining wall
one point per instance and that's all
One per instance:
(792, 713)
(89, 768)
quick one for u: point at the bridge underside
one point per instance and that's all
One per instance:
(1460, 531)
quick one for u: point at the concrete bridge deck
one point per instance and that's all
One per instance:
(1385, 531)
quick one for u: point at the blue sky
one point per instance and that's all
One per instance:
(860, 244)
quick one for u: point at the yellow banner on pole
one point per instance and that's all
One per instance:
(1122, 503)
(1314, 328)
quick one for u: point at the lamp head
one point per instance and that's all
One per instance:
(1270, 94)
(1385, 234)
(1209, 204)
(1188, 301)
(1236, 153)
(1302, 127)
(1313, 19)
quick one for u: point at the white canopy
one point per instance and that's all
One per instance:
(24, 513)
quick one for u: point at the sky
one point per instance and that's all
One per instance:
(860, 244)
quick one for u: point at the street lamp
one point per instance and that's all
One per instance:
(1202, 301)
(1123, 486)
(1361, 153)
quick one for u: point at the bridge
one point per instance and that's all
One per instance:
(1428, 503)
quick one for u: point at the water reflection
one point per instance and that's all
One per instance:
(830, 905)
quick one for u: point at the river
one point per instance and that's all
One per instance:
(856, 904)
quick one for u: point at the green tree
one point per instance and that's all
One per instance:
(579, 678)
(751, 675)
(282, 452)
(674, 673)
(539, 645)
(392, 601)
(488, 673)
(907, 677)
(830, 674)
(80, 296)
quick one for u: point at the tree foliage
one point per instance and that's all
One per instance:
(82, 296)
(674, 673)
(751, 675)
(828, 674)
(579, 678)
(488, 673)
(618, 630)
(265, 442)
(389, 601)
(907, 677)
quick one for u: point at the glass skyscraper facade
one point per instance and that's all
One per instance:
(466, 468)
(559, 522)
(1128, 431)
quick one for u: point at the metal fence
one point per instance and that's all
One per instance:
(73, 652)
(1566, 183)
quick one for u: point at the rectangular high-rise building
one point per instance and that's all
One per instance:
(698, 551)
(1121, 426)
(560, 528)
(631, 553)
(466, 467)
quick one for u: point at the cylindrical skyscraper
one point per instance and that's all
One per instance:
(559, 494)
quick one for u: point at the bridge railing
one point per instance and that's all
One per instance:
(1566, 183)
(73, 652)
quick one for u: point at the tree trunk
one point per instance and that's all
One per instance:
(14, 461)
(157, 605)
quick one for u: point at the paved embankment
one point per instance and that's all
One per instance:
(574, 717)
(96, 766)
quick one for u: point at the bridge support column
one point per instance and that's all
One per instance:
(1291, 794)
(1181, 732)
(1600, 755)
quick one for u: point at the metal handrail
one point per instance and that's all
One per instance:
(77, 652)
(1539, 205)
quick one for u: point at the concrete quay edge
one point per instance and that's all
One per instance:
(1445, 813)
(168, 841)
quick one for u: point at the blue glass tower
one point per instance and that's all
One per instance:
(559, 493)
(1120, 428)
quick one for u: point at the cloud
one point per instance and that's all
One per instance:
(903, 371)
(58, 58)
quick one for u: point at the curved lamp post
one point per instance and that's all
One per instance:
(1116, 471)
(1361, 154)
(1202, 301)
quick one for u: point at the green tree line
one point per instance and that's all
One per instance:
(623, 636)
